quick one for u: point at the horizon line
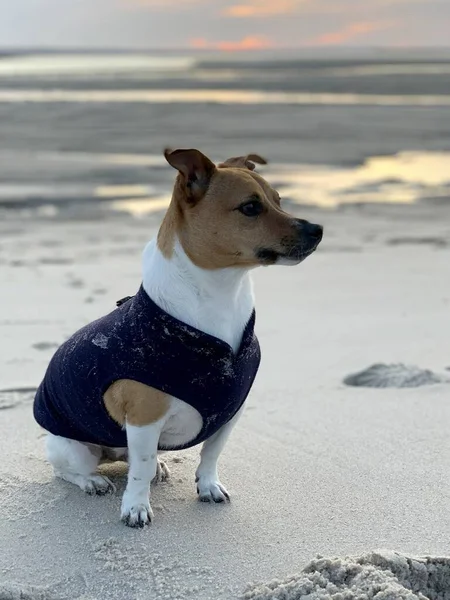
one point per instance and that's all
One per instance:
(128, 50)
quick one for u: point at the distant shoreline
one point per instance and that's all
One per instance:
(331, 53)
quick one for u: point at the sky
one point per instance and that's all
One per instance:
(224, 24)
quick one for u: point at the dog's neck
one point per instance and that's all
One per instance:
(218, 302)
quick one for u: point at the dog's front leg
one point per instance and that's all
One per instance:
(142, 458)
(209, 487)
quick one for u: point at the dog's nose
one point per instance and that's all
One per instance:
(314, 231)
(310, 230)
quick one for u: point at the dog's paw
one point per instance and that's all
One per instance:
(91, 484)
(136, 515)
(162, 472)
(99, 484)
(211, 491)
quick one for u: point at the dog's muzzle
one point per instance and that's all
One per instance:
(307, 236)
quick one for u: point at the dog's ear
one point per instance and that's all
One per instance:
(196, 170)
(244, 162)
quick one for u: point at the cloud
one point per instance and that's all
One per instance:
(394, 2)
(242, 9)
(349, 32)
(250, 42)
(263, 8)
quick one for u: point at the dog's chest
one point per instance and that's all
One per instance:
(218, 304)
(185, 422)
(216, 321)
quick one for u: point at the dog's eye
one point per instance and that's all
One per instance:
(251, 209)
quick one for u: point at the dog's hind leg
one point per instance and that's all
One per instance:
(76, 462)
(162, 471)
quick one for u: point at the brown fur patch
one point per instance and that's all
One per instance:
(134, 402)
(212, 231)
(246, 162)
(195, 169)
(171, 224)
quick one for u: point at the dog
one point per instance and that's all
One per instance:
(171, 367)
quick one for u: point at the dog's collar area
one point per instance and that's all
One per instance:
(188, 334)
(123, 300)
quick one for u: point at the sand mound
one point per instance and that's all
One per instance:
(395, 375)
(12, 397)
(381, 575)
(18, 592)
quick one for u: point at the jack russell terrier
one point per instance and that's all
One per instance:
(172, 366)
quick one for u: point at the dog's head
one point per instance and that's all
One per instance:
(229, 216)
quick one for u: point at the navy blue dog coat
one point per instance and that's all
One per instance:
(140, 341)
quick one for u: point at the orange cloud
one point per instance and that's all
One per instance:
(269, 8)
(250, 42)
(263, 8)
(350, 32)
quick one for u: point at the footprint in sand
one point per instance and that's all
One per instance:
(437, 242)
(12, 397)
(76, 283)
(15, 591)
(396, 375)
(17, 263)
(55, 261)
(343, 249)
(124, 250)
(50, 243)
(45, 345)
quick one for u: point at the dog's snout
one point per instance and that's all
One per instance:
(314, 231)
(311, 230)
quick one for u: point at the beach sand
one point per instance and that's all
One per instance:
(382, 574)
(314, 467)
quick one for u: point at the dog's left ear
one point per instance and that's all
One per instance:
(244, 162)
(196, 170)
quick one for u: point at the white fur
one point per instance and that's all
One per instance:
(142, 458)
(76, 463)
(208, 483)
(217, 302)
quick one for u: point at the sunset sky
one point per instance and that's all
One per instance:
(224, 24)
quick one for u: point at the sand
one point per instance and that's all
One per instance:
(314, 467)
(382, 575)
(395, 375)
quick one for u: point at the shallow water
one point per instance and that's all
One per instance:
(83, 128)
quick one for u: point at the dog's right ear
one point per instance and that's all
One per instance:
(244, 162)
(196, 170)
